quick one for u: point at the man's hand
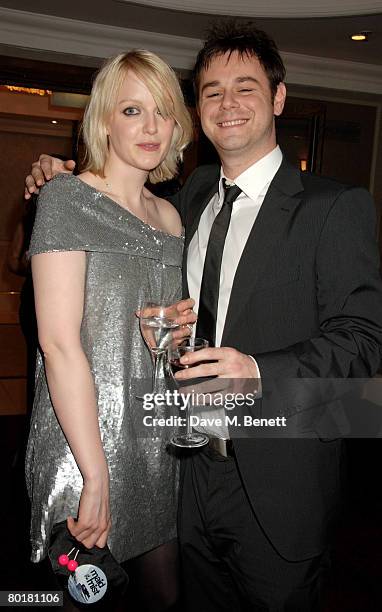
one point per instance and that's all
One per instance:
(222, 362)
(43, 170)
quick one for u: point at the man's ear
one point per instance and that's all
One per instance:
(279, 99)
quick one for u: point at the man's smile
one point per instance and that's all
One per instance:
(232, 123)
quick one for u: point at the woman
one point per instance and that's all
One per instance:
(102, 243)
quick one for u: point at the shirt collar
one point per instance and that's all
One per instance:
(253, 180)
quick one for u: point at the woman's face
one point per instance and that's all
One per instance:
(138, 134)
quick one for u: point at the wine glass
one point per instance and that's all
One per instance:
(176, 350)
(157, 323)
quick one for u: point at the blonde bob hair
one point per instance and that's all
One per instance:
(163, 85)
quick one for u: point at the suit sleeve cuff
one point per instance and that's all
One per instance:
(258, 376)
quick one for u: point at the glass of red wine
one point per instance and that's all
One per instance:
(176, 350)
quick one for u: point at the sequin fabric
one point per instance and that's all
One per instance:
(127, 262)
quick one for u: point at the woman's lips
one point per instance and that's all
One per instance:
(149, 146)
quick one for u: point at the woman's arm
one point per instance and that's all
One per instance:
(59, 293)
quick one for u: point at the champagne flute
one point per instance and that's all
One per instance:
(157, 323)
(176, 350)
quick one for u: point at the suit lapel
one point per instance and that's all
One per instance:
(195, 210)
(197, 207)
(274, 215)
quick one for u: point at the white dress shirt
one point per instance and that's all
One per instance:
(254, 183)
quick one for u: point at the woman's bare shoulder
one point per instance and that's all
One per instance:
(167, 217)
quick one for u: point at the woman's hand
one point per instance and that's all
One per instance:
(183, 311)
(43, 170)
(185, 316)
(94, 521)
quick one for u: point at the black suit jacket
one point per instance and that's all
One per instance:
(306, 302)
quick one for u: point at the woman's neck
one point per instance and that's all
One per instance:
(124, 183)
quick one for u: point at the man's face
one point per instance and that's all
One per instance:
(236, 108)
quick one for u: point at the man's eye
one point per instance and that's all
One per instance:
(213, 94)
(131, 110)
(245, 90)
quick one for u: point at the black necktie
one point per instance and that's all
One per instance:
(209, 290)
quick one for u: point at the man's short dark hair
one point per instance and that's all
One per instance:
(247, 40)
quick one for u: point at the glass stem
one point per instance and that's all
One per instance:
(156, 368)
(188, 421)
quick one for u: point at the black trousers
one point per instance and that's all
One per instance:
(228, 564)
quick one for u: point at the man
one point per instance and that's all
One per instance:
(300, 292)
(287, 285)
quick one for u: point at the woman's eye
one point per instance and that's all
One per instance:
(245, 90)
(214, 94)
(131, 110)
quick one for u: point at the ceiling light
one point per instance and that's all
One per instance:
(360, 36)
(54, 121)
(28, 90)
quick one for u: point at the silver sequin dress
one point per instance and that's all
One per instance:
(126, 260)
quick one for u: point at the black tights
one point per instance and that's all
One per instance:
(154, 579)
